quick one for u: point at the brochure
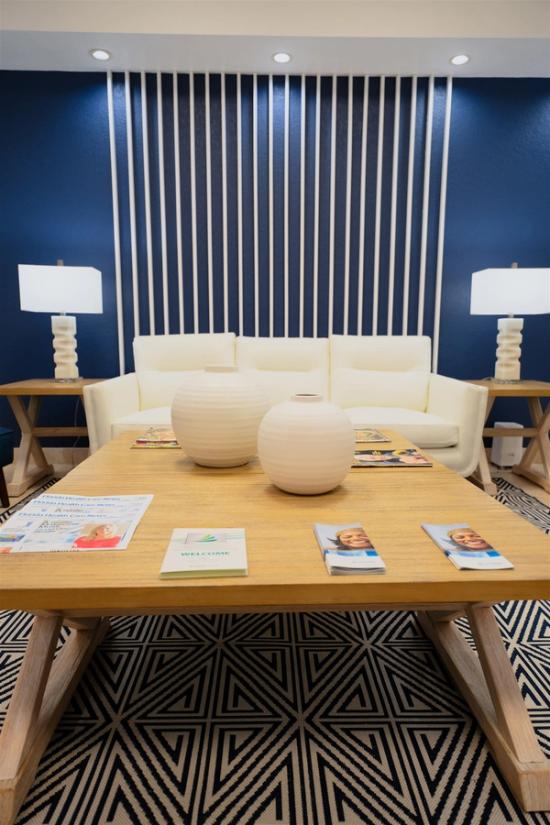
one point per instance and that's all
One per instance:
(370, 436)
(156, 438)
(466, 548)
(390, 458)
(347, 549)
(200, 552)
(57, 523)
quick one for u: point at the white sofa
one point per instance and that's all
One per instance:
(381, 381)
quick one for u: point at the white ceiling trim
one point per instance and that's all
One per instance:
(65, 51)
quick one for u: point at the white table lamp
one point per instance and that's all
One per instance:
(61, 289)
(509, 292)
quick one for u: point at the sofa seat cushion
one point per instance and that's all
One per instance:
(142, 420)
(423, 429)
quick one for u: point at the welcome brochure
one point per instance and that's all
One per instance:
(200, 552)
(465, 548)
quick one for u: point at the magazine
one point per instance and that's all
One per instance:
(57, 523)
(370, 436)
(408, 457)
(466, 548)
(200, 552)
(347, 549)
(156, 438)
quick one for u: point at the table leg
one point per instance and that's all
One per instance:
(488, 684)
(482, 475)
(42, 692)
(539, 445)
(23, 476)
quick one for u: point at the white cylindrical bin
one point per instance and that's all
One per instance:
(216, 416)
(306, 445)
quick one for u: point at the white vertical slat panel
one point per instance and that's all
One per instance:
(425, 207)
(349, 158)
(286, 197)
(132, 199)
(378, 212)
(302, 198)
(116, 223)
(441, 227)
(408, 219)
(255, 196)
(393, 217)
(334, 106)
(193, 201)
(316, 219)
(177, 185)
(271, 239)
(208, 136)
(224, 213)
(147, 194)
(162, 204)
(240, 200)
(362, 197)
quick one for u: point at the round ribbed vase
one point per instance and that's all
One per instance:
(306, 445)
(216, 416)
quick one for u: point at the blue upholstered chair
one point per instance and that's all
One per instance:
(6, 457)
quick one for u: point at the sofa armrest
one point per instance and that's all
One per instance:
(465, 405)
(107, 401)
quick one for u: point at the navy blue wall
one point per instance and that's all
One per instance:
(55, 197)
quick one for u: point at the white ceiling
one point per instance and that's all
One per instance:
(503, 38)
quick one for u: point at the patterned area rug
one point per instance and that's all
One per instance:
(305, 719)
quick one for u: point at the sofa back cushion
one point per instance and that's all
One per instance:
(285, 366)
(380, 371)
(171, 353)
(157, 388)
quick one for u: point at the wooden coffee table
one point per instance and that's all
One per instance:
(287, 573)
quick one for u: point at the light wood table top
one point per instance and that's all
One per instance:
(47, 386)
(285, 565)
(517, 389)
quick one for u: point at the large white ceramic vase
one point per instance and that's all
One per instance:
(306, 445)
(216, 416)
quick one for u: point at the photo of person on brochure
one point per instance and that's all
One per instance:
(467, 539)
(352, 538)
(98, 536)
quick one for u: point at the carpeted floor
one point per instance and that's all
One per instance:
(307, 719)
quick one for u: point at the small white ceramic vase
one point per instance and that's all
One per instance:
(306, 445)
(216, 416)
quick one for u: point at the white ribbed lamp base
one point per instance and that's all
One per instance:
(508, 367)
(64, 347)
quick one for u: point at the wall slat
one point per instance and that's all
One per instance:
(354, 243)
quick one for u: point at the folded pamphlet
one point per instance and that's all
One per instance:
(347, 549)
(57, 523)
(200, 552)
(408, 457)
(366, 436)
(466, 548)
(156, 438)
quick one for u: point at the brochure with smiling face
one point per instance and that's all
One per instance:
(466, 548)
(198, 552)
(347, 549)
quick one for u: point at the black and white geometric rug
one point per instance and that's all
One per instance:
(305, 719)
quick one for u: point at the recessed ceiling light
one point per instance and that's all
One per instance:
(460, 59)
(281, 57)
(100, 54)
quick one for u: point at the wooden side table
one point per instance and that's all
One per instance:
(539, 444)
(27, 417)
